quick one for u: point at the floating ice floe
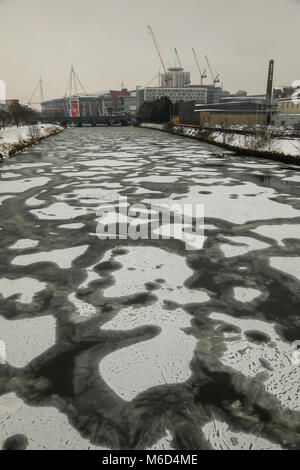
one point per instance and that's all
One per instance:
(34, 202)
(192, 240)
(20, 186)
(20, 166)
(154, 179)
(220, 203)
(246, 294)
(166, 357)
(91, 195)
(27, 339)
(63, 258)
(279, 232)
(244, 245)
(258, 349)
(10, 175)
(59, 211)
(141, 265)
(161, 360)
(221, 437)
(71, 226)
(24, 244)
(289, 265)
(27, 288)
(104, 162)
(45, 428)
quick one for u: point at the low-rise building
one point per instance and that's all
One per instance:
(126, 104)
(289, 106)
(288, 113)
(240, 112)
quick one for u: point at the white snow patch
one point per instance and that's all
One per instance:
(220, 437)
(246, 294)
(161, 360)
(20, 186)
(25, 286)
(63, 258)
(71, 226)
(24, 243)
(27, 339)
(244, 245)
(288, 265)
(281, 378)
(59, 211)
(279, 232)
(46, 428)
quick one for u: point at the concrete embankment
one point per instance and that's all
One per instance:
(14, 139)
(259, 143)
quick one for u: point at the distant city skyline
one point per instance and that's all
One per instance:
(108, 42)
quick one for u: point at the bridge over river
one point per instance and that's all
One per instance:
(93, 121)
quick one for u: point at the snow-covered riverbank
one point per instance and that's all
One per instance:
(14, 139)
(257, 144)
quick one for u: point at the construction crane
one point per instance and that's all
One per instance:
(202, 74)
(216, 79)
(159, 55)
(176, 54)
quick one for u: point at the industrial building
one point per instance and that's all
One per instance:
(7, 105)
(288, 113)
(239, 112)
(8, 109)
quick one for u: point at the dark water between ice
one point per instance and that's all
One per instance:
(125, 344)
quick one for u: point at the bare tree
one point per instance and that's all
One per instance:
(34, 132)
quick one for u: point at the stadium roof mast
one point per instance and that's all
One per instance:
(72, 95)
(73, 85)
(215, 78)
(202, 74)
(160, 56)
(41, 90)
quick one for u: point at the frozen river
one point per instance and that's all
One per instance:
(143, 344)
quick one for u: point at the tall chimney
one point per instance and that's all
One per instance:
(270, 91)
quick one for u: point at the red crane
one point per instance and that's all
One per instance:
(159, 55)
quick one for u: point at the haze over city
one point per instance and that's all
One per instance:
(108, 42)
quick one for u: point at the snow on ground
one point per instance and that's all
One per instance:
(250, 142)
(10, 136)
(288, 146)
(285, 146)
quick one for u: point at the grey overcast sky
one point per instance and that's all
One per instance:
(107, 41)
